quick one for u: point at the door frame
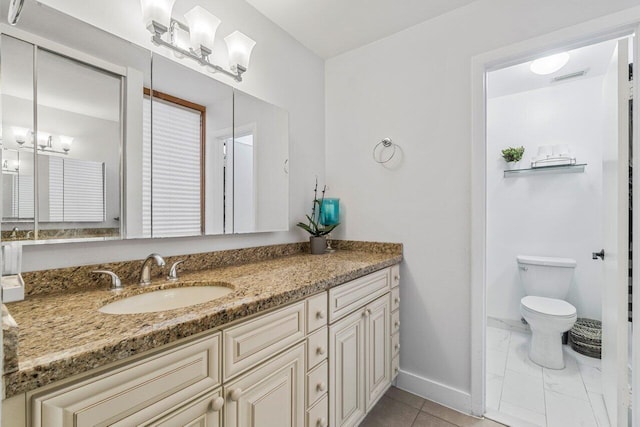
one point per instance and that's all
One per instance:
(619, 24)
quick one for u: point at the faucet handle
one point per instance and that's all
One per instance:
(173, 272)
(115, 280)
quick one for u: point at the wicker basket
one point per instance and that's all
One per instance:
(586, 337)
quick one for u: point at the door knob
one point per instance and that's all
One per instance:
(596, 255)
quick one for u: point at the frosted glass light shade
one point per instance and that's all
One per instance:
(202, 28)
(20, 134)
(239, 47)
(549, 64)
(158, 11)
(65, 142)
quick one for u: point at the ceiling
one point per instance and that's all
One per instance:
(331, 27)
(519, 78)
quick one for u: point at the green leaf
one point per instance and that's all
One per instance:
(305, 227)
(328, 229)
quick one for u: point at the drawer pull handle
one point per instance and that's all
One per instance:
(320, 351)
(320, 314)
(321, 386)
(322, 422)
(217, 403)
(235, 394)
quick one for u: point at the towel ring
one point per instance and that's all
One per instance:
(386, 143)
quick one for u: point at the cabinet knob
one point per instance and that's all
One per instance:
(321, 314)
(321, 350)
(397, 300)
(217, 403)
(397, 346)
(322, 422)
(368, 311)
(235, 394)
(395, 370)
(322, 386)
(397, 324)
(396, 278)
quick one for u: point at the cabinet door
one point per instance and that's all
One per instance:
(347, 370)
(378, 351)
(203, 412)
(271, 395)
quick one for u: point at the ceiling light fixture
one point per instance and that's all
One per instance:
(549, 64)
(24, 139)
(201, 29)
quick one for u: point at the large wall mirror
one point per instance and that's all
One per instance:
(101, 139)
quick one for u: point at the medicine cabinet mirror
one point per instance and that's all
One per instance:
(104, 140)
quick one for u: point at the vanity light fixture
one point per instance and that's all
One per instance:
(549, 64)
(201, 28)
(45, 141)
(13, 169)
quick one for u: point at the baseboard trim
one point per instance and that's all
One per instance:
(435, 391)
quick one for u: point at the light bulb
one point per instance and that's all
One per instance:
(66, 142)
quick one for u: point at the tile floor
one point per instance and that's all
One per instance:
(521, 393)
(398, 408)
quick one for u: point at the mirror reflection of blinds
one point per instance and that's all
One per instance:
(83, 191)
(25, 196)
(175, 170)
(146, 167)
(56, 190)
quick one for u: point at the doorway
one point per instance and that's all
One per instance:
(562, 200)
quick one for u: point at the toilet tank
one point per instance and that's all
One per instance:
(546, 276)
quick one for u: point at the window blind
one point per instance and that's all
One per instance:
(83, 191)
(175, 170)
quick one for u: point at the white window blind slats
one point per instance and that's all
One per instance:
(146, 167)
(174, 170)
(83, 191)
(56, 189)
(25, 196)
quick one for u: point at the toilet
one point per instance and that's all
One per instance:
(546, 283)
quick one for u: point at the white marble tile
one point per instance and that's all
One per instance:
(592, 377)
(518, 358)
(494, 390)
(496, 362)
(523, 390)
(567, 411)
(566, 381)
(498, 339)
(599, 410)
(523, 414)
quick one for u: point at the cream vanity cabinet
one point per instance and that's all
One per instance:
(360, 345)
(320, 362)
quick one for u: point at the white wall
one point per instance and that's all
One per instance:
(281, 72)
(547, 215)
(415, 87)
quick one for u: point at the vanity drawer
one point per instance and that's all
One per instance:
(150, 387)
(317, 384)
(395, 299)
(318, 415)
(256, 340)
(395, 276)
(316, 312)
(317, 347)
(346, 298)
(395, 345)
(395, 367)
(395, 322)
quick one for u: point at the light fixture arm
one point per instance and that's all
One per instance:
(202, 59)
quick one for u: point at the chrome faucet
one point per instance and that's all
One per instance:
(14, 233)
(145, 273)
(115, 280)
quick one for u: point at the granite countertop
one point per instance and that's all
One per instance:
(62, 333)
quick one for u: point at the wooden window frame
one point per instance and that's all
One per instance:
(203, 126)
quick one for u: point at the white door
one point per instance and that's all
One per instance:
(271, 395)
(378, 352)
(347, 370)
(616, 231)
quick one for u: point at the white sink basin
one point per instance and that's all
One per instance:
(165, 299)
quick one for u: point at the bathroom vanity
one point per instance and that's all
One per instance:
(301, 340)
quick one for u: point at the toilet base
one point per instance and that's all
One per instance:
(545, 349)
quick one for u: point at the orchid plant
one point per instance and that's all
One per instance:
(314, 225)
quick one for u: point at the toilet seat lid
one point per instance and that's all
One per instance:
(550, 306)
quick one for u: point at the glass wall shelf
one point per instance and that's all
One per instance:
(578, 168)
